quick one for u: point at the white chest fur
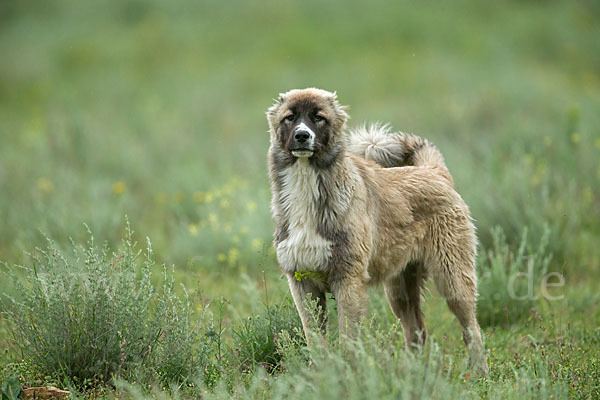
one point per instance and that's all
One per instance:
(304, 248)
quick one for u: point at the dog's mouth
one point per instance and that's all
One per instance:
(302, 153)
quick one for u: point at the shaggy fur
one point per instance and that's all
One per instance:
(377, 207)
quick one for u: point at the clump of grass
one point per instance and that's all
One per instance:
(509, 280)
(93, 314)
(257, 339)
(372, 366)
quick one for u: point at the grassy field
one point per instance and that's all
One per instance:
(153, 113)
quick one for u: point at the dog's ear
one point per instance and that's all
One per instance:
(272, 111)
(340, 110)
(279, 101)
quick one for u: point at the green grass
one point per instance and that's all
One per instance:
(155, 111)
(91, 314)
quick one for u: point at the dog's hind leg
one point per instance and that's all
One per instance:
(403, 292)
(458, 285)
(311, 303)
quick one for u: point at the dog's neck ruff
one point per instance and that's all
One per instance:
(299, 199)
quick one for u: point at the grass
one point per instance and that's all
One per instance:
(91, 314)
(156, 111)
(94, 322)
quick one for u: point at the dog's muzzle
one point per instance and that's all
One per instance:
(303, 141)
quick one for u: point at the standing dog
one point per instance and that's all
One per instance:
(377, 208)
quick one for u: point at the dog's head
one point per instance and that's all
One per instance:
(307, 123)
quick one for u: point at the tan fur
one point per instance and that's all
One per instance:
(376, 207)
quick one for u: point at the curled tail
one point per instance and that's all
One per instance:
(379, 143)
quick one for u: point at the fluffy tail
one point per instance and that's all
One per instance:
(379, 143)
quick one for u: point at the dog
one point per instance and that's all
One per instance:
(371, 207)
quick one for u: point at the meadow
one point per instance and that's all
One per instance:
(141, 124)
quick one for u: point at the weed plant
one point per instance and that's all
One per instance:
(510, 280)
(94, 314)
(257, 339)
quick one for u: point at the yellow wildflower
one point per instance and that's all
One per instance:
(45, 185)
(251, 206)
(118, 187)
(257, 244)
(162, 198)
(575, 137)
(239, 182)
(198, 197)
(227, 189)
(193, 228)
(179, 197)
(542, 168)
(221, 257)
(233, 255)
(214, 221)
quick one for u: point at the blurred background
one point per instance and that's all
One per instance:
(155, 111)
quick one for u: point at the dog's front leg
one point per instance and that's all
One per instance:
(352, 300)
(310, 301)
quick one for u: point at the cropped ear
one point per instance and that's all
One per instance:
(340, 110)
(281, 98)
(279, 101)
(272, 111)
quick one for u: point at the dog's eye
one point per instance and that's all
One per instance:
(319, 118)
(289, 118)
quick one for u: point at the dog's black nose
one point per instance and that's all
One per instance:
(301, 136)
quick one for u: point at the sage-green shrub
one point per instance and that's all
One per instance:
(93, 314)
